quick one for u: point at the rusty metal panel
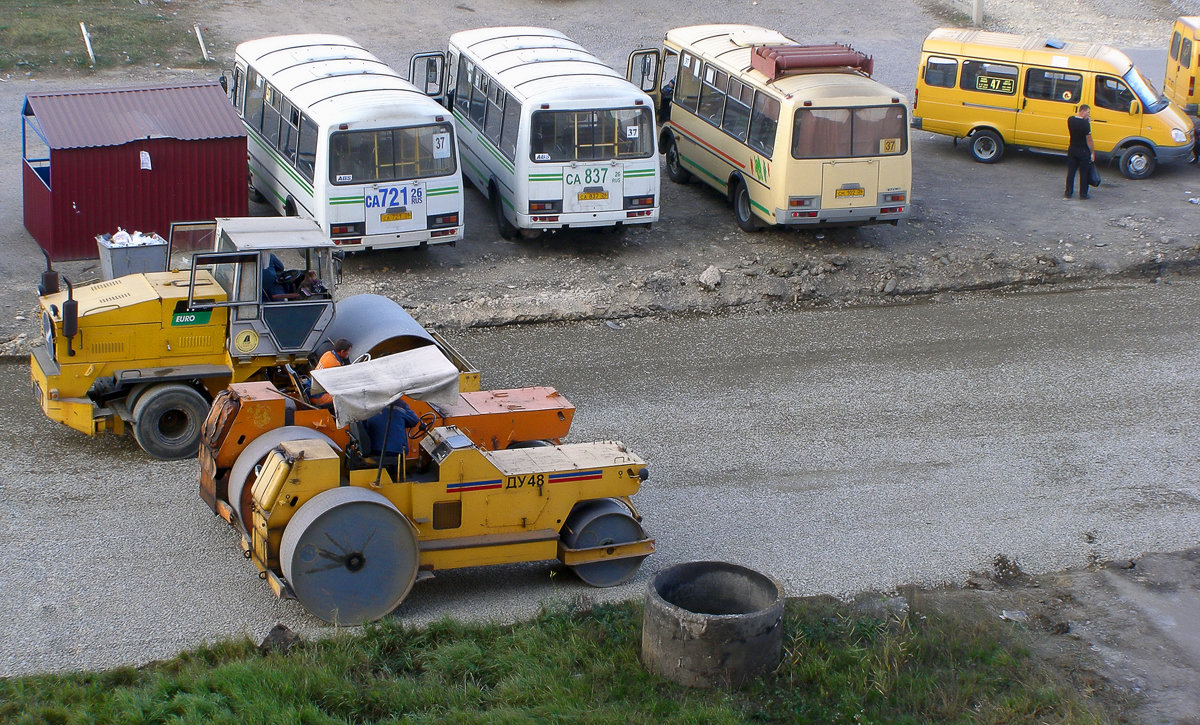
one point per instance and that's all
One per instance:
(112, 117)
(95, 190)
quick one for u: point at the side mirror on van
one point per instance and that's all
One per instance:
(1135, 108)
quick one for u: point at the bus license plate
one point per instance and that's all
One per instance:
(849, 192)
(592, 195)
(398, 216)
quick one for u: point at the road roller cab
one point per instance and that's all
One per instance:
(348, 536)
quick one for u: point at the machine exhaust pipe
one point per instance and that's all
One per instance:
(49, 283)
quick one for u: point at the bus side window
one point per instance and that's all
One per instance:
(478, 98)
(1185, 53)
(238, 90)
(979, 75)
(712, 95)
(687, 86)
(512, 121)
(306, 155)
(255, 93)
(941, 72)
(462, 94)
(1053, 85)
(289, 131)
(495, 114)
(1175, 38)
(270, 126)
(737, 109)
(764, 120)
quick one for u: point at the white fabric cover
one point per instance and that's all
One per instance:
(361, 390)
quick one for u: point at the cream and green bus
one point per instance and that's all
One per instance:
(791, 134)
(555, 138)
(337, 136)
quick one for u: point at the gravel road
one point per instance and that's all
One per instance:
(838, 450)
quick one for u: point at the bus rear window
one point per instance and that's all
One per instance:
(616, 133)
(391, 154)
(823, 133)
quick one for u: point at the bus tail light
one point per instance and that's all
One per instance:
(891, 210)
(643, 212)
(346, 230)
(441, 221)
(345, 241)
(551, 206)
(442, 233)
(638, 202)
(803, 214)
(800, 202)
(1192, 86)
(893, 198)
(544, 218)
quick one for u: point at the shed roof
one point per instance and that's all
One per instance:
(112, 117)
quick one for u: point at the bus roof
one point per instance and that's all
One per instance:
(335, 80)
(731, 46)
(1026, 49)
(544, 64)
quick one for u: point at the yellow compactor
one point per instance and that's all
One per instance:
(348, 536)
(149, 351)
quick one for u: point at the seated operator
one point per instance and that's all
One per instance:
(335, 358)
(272, 289)
(377, 427)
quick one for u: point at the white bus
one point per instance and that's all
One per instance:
(337, 136)
(554, 137)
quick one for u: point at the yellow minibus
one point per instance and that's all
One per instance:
(1179, 82)
(999, 90)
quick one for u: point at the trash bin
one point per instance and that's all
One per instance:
(123, 253)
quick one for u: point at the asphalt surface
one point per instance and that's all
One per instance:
(837, 450)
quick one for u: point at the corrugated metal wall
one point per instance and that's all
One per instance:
(38, 218)
(95, 190)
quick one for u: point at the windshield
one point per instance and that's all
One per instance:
(391, 154)
(1146, 92)
(611, 133)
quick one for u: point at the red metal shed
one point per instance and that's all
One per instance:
(136, 158)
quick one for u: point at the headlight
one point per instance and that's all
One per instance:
(48, 333)
(1178, 136)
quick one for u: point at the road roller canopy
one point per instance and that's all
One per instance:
(362, 389)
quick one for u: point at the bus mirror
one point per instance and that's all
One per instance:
(1134, 108)
(224, 81)
(647, 81)
(425, 71)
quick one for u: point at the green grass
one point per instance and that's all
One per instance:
(571, 666)
(44, 35)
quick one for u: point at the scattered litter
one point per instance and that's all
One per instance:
(614, 325)
(1014, 616)
(1194, 200)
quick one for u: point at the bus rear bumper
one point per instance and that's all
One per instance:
(422, 238)
(582, 220)
(842, 217)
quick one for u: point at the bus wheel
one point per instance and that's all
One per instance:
(289, 207)
(741, 209)
(507, 229)
(675, 170)
(986, 146)
(1137, 162)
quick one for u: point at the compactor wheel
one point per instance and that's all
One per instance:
(600, 522)
(245, 469)
(350, 555)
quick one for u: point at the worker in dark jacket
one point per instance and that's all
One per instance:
(378, 426)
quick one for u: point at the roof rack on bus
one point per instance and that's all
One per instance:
(775, 61)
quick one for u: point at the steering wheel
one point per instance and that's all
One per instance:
(361, 358)
(428, 418)
(289, 277)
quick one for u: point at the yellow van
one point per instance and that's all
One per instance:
(999, 90)
(1179, 82)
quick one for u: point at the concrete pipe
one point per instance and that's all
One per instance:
(710, 623)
